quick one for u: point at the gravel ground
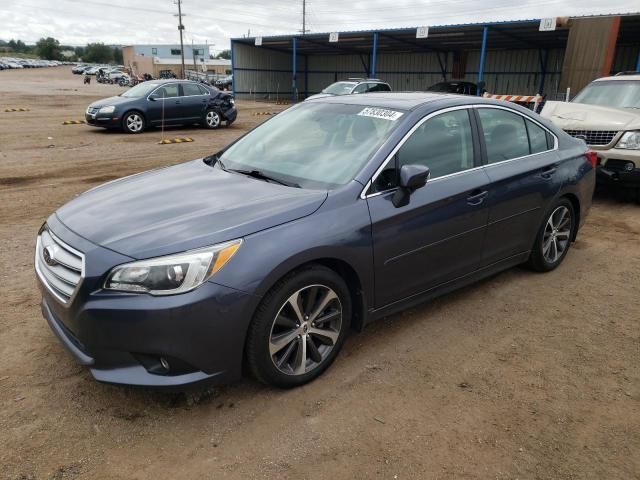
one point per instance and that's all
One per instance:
(523, 375)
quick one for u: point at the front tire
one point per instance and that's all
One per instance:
(554, 237)
(133, 122)
(299, 327)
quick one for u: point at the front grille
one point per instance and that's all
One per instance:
(596, 138)
(92, 110)
(63, 271)
(618, 165)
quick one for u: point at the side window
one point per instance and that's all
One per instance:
(168, 91)
(383, 87)
(505, 134)
(360, 88)
(443, 143)
(203, 90)
(537, 138)
(189, 89)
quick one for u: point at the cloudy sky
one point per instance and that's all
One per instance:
(78, 22)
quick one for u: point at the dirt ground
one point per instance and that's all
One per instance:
(523, 376)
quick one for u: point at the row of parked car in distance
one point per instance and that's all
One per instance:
(9, 63)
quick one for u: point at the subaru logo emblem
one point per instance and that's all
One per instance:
(48, 254)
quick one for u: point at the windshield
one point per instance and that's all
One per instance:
(614, 93)
(339, 88)
(313, 145)
(141, 90)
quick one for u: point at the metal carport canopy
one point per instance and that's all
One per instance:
(514, 34)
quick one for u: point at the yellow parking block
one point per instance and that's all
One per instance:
(168, 141)
(73, 122)
(264, 113)
(16, 109)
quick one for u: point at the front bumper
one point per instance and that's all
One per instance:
(102, 120)
(121, 337)
(625, 179)
(608, 172)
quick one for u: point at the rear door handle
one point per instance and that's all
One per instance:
(477, 197)
(547, 172)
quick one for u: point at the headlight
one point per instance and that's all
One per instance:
(171, 274)
(630, 141)
(109, 109)
(232, 101)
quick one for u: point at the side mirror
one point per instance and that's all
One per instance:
(153, 97)
(412, 177)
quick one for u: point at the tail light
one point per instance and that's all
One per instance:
(592, 157)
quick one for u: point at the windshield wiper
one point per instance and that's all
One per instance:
(261, 176)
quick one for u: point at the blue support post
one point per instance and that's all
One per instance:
(638, 64)
(372, 73)
(233, 73)
(294, 70)
(483, 53)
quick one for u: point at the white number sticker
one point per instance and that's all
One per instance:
(258, 41)
(333, 37)
(422, 32)
(547, 24)
(382, 113)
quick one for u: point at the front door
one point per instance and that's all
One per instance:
(194, 101)
(439, 235)
(166, 108)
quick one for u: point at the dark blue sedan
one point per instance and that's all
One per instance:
(163, 102)
(330, 215)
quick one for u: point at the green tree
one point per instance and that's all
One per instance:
(97, 53)
(226, 54)
(117, 55)
(79, 52)
(48, 48)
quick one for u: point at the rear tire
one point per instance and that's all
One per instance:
(299, 328)
(212, 119)
(554, 237)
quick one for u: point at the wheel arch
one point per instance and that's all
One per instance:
(136, 110)
(348, 272)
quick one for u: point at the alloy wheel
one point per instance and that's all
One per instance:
(305, 330)
(557, 234)
(213, 119)
(134, 122)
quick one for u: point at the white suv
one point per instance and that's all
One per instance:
(606, 115)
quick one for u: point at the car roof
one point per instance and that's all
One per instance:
(409, 100)
(399, 100)
(620, 77)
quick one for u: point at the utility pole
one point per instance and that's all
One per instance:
(180, 29)
(304, 17)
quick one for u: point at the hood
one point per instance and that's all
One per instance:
(580, 116)
(179, 208)
(320, 95)
(111, 101)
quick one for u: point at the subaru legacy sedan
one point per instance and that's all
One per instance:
(163, 102)
(336, 212)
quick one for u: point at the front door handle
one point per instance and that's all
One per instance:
(477, 197)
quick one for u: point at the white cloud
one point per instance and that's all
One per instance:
(78, 22)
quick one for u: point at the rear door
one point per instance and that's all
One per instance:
(438, 236)
(194, 103)
(521, 161)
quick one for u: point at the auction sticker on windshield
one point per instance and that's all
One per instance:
(382, 113)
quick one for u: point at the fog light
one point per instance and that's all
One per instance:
(629, 166)
(164, 363)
